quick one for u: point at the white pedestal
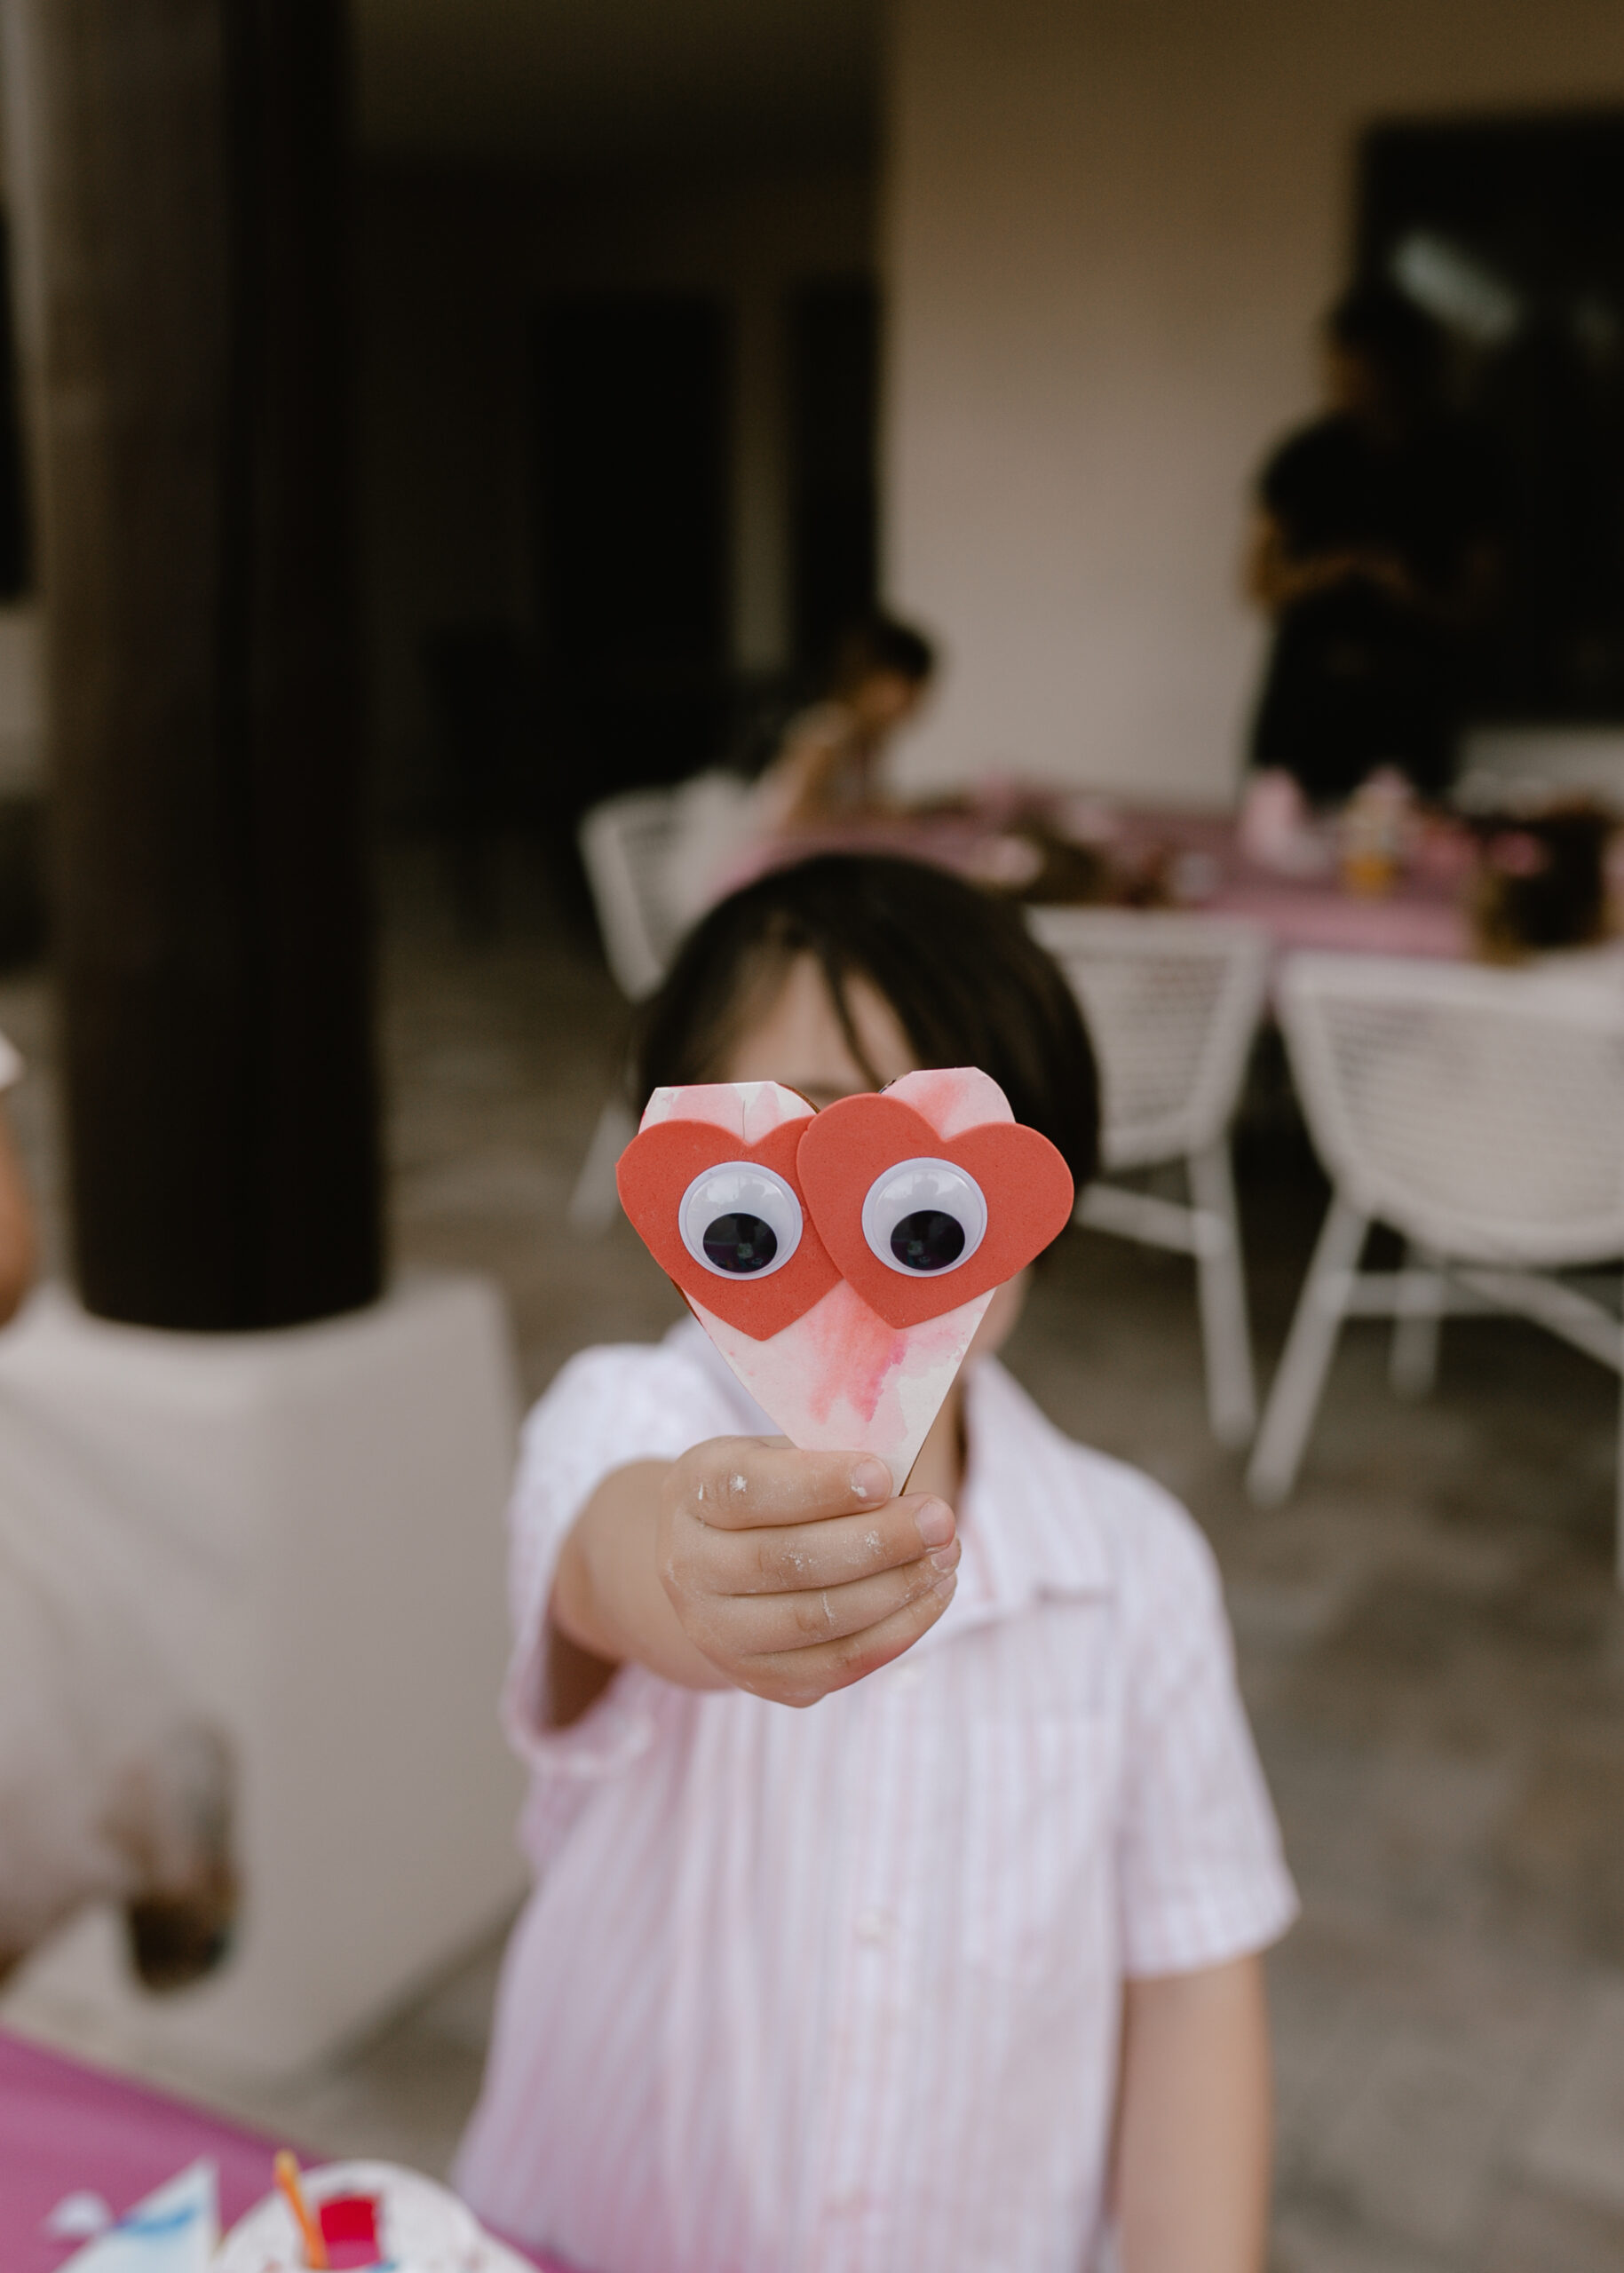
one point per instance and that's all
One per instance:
(321, 1513)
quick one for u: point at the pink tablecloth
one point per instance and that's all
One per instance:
(1199, 853)
(65, 2127)
(1422, 915)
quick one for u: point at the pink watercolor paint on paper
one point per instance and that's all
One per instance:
(842, 1261)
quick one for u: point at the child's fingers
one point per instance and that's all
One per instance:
(802, 1676)
(760, 1625)
(740, 1482)
(787, 1558)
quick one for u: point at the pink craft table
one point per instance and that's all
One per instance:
(65, 2127)
(1422, 916)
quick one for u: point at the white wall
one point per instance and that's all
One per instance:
(1109, 225)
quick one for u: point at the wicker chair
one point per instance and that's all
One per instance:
(648, 857)
(1479, 1113)
(1172, 1003)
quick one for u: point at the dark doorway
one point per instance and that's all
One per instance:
(834, 375)
(1511, 233)
(15, 565)
(633, 424)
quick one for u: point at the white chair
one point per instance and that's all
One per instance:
(1172, 1003)
(650, 856)
(625, 848)
(1479, 1113)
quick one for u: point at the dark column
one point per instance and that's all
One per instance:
(181, 171)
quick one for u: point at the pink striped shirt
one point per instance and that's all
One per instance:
(839, 1991)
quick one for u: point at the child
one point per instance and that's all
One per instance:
(826, 767)
(959, 1964)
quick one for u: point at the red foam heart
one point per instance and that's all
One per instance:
(1026, 1184)
(657, 1168)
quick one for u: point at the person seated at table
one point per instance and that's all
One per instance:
(1541, 879)
(841, 1955)
(110, 1788)
(1375, 551)
(826, 767)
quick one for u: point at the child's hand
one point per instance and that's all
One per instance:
(795, 1573)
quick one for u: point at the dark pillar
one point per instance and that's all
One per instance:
(181, 171)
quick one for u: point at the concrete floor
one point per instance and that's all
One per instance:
(1430, 1640)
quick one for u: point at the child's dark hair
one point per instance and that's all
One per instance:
(1542, 880)
(968, 982)
(880, 643)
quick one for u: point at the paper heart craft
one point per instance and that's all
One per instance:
(708, 1161)
(842, 1260)
(931, 1193)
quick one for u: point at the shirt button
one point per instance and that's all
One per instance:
(842, 2205)
(873, 1925)
(907, 1677)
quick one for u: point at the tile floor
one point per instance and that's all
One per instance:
(1429, 1635)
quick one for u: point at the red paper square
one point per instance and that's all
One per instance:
(349, 2228)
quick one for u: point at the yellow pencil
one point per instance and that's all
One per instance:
(288, 2179)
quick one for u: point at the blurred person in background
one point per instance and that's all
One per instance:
(1376, 552)
(824, 771)
(827, 765)
(110, 1789)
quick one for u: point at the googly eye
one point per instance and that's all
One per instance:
(740, 1220)
(924, 1216)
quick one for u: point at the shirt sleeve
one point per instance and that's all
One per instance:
(1202, 1876)
(606, 1408)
